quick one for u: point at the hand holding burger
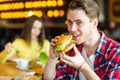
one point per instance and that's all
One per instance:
(64, 43)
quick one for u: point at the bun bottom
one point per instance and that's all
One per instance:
(68, 48)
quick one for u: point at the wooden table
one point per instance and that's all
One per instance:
(9, 69)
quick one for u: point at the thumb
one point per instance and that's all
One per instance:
(8, 44)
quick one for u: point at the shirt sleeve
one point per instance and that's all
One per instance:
(46, 47)
(61, 71)
(3, 53)
(65, 72)
(11, 53)
(114, 70)
(115, 73)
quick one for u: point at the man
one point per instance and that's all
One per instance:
(96, 56)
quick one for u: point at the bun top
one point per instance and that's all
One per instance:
(62, 39)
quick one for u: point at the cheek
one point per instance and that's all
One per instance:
(87, 33)
(35, 32)
(39, 32)
(32, 31)
(69, 29)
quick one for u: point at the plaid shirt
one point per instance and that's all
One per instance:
(106, 63)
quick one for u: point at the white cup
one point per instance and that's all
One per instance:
(22, 63)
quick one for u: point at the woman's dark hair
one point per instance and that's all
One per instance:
(26, 33)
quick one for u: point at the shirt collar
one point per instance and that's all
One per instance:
(103, 44)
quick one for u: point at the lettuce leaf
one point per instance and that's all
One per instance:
(62, 46)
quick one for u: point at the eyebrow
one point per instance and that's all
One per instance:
(74, 20)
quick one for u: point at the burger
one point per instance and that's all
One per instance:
(64, 43)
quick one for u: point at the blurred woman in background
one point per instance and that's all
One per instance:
(30, 44)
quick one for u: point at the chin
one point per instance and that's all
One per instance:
(79, 42)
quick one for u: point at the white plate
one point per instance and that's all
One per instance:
(24, 74)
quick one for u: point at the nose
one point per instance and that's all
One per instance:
(74, 27)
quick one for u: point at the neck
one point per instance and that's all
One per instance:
(91, 45)
(34, 40)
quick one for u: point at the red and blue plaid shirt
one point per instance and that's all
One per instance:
(106, 63)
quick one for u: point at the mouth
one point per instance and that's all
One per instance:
(33, 34)
(76, 35)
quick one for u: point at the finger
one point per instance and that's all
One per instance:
(62, 34)
(66, 61)
(76, 50)
(53, 40)
(65, 57)
(52, 44)
(9, 43)
(57, 37)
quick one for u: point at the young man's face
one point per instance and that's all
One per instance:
(79, 25)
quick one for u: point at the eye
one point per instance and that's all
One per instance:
(69, 22)
(78, 22)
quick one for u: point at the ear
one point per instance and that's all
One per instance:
(95, 22)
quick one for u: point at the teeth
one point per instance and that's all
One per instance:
(76, 35)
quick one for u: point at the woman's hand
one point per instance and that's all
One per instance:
(8, 47)
(75, 61)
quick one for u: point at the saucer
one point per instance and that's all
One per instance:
(24, 74)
